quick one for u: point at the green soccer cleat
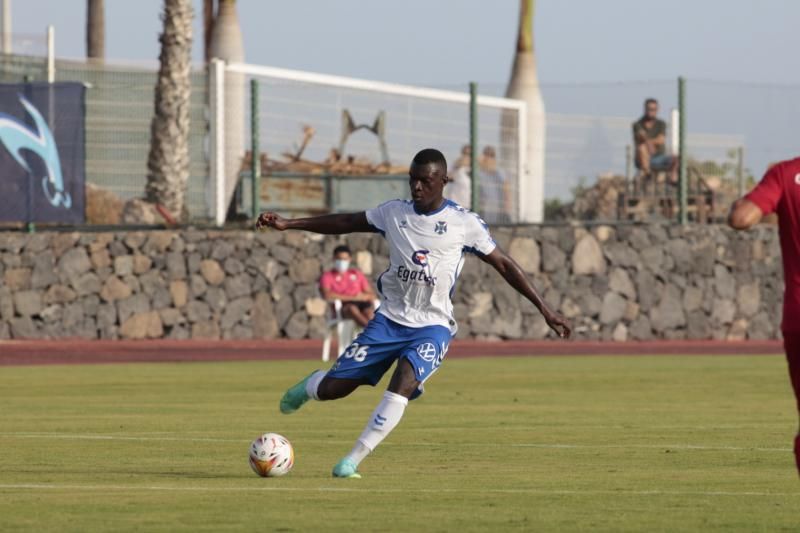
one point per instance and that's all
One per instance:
(346, 469)
(296, 396)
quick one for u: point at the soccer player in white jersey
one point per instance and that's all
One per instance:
(428, 237)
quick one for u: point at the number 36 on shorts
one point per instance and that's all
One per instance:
(356, 352)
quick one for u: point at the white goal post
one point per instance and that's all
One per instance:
(416, 117)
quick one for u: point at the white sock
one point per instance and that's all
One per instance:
(382, 421)
(312, 385)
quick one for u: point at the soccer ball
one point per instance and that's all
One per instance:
(271, 455)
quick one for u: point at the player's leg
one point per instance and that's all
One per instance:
(363, 363)
(791, 341)
(416, 364)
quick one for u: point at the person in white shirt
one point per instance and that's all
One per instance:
(428, 238)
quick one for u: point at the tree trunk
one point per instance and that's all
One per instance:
(95, 29)
(208, 28)
(226, 44)
(168, 162)
(524, 85)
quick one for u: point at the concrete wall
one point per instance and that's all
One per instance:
(621, 283)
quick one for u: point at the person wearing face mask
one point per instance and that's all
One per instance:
(350, 286)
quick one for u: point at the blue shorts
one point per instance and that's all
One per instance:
(661, 161)
(383, 342)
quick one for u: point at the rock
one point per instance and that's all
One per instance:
(124, 265)
(141, 264)
(525, 251)
(44, 270)
(237, 286)
(305, 270)
(668, 314)
(100, 259)
(681, 254)
(28, 303)
(269, 268)
(17, 278)
(142, 326)
(587, 257)
(23, 328)
(748, 299)
(233, 266)
(171, 317)
(179, 290)
(622, 255)
(73, 263)
(207, 329)
(570, 309)
(302, 293)
(590, 304)
(552, 257)
(297, 326)
(62, 242)
(197, 285)
(364, 262)
(480, 303)
(692, 299)
(157, 242)
(316, 307)
(136, 304)
(59, 294)
(613, 308)
(6, 304)
(114, 289)
(620, 282)
(265, 325)
(235, 312)
(724, 283)
(87, 283)
(647, 289)
(620, 333)
(603, 233)
(724, 311)
(212, 272)
(283, 254)
(697, 326)
(176, 266)
(221, 249)
(641, 329)
(197, 311)
(738, 331)
(652, 258)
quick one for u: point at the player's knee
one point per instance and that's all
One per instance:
(333, 389)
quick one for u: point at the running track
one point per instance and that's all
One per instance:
(36, 352)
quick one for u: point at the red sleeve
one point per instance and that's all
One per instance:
(326, 280)
(767, 194)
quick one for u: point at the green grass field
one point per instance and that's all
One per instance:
(504, 444)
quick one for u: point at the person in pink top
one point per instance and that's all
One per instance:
(350, 286)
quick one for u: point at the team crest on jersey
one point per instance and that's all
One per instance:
(441, 227)
(420, 257)
(403, 224)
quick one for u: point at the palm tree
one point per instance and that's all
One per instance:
(226, 44)
(168, 162)
(95, 29)
(524, 85)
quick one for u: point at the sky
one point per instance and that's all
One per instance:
(595, 58)
(450, 42)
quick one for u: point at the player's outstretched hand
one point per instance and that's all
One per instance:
(559, 324)
(271, 220)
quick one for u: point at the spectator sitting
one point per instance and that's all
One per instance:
(460, 188)
(649, 137)
(350, 286)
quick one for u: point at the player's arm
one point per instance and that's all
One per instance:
(744, 214)
(513, 274)
(326, 224)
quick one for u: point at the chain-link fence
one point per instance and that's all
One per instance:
(118, 115)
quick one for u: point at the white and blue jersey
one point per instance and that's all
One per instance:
(426, 253)
(415, 320)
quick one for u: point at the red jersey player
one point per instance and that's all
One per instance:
(779, 192)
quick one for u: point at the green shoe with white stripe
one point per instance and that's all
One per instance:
(346, 469)
(295, 397)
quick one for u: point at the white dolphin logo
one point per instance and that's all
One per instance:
(16, 137)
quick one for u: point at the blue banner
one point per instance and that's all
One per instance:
(42, 153)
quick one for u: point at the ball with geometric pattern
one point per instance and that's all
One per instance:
(271, 455)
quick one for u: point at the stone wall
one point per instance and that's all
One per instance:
(621, 283)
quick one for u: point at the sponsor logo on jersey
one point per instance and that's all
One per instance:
(406, 274)
(420, 257)
(441, 227)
